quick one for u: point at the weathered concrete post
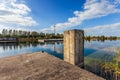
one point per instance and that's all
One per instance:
(74, 47)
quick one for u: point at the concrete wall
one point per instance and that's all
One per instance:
(74, 47)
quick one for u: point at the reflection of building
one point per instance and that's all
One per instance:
(57, 48)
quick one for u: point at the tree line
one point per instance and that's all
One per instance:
(28, 34)
(34, 34)
(101, 38)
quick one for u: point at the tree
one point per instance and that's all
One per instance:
(13, 33)
(34, 34)
(3, 33)
(28, 34)
(10, 32)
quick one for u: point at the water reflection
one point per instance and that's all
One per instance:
(97, 54)
(112, 69)
(9, 49)
(101, 61)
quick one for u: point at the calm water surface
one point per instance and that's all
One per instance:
(96, 53)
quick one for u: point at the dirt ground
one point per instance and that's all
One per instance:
(41, 66)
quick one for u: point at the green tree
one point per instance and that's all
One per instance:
(10, 32)
(34, 34)
(3, 32)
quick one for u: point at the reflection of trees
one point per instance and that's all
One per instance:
(42, 43)
(7, 46)
(57, 47)
(24, 44)
(4, 47)
(34, 44)
(10, 47)
(20, 46)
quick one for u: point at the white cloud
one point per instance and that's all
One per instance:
(92, 9)
(108, 30)
(14, 12)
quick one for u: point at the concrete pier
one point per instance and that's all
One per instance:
(41, 66)
(50, 40)
(74, 47)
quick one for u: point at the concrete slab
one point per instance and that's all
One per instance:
(41, 66)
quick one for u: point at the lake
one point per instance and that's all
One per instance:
(97, 54)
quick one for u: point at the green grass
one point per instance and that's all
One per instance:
(113, 67)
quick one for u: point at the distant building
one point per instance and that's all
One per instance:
(8, 39)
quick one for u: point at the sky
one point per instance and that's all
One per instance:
(95, 17)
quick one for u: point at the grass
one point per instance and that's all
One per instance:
(113, 67)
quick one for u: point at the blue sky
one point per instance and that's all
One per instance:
(95, 17)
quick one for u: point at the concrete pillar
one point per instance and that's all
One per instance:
(74, 47)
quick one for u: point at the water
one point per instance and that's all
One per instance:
(11, 49)
(97, 54)
(100, 54)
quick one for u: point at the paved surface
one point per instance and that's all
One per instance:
(41, 66)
